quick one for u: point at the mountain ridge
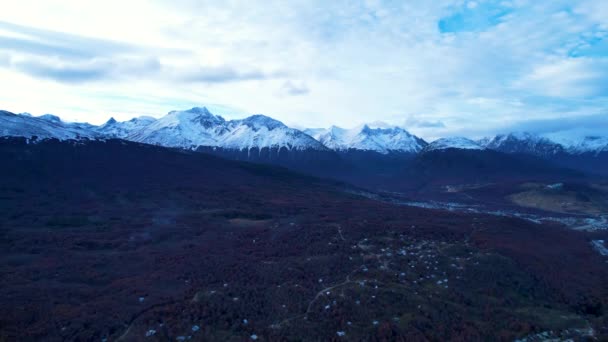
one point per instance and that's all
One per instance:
(198, 127)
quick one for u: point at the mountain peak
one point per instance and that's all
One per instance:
(199, 110)
(197, 127)
(381, 124)
(143, 118)
(524, 142)
(258, 121)
(460, 143)
(335, 129)
(111, 121)
(196, 115)
(365, 138)
(50, 117)
(379, 128)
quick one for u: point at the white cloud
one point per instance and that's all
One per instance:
(568, 78)
(596, 11)
(291, 88)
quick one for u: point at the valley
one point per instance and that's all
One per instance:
(202, 248)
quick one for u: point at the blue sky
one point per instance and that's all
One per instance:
(438, 68)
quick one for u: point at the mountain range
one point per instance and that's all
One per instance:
(260, 138)
(198, 127)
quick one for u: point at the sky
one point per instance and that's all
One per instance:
(436, 68)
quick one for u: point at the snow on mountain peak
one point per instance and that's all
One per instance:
(143, 118)
(50, 117)
(261, 131)
(197, 115)
(116, 129)
(460, 143)
(198, 127)
(576, 142)
(44, 127)
(518, 136)
(523, 142)
(380, 124)
(258, 121)
(185, 129)
(364, 137)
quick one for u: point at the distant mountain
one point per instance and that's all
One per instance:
(197, 127)
(455, 142)
(121, 130)
(465, 166)
(43, 127)
(365, 138)
(185, 129)
(50, 117)
(525, 143)
(580, 152)
(259, 131)
(580, 144)
(364, 153)
(547, 144)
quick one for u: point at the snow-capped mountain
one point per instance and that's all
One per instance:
(523, 142)
(120, 130)
(593, 144)
(547, 144)
(185, 129)
(460, 143)
(197, 127)
(569, 149)
(85, 129)
(365, 138)
(259, 131)
(49, 117)
(575, 143)
(44, 127)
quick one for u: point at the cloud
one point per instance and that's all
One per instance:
(222, 74)
(72, 58)
(290, 88)
(5, 60)
(594, 10)
(21, 38)
(472, 70)
(474, 17)
(418, 123)
(567, 78)
(589, 124)
(64, 73)
(88, 71)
